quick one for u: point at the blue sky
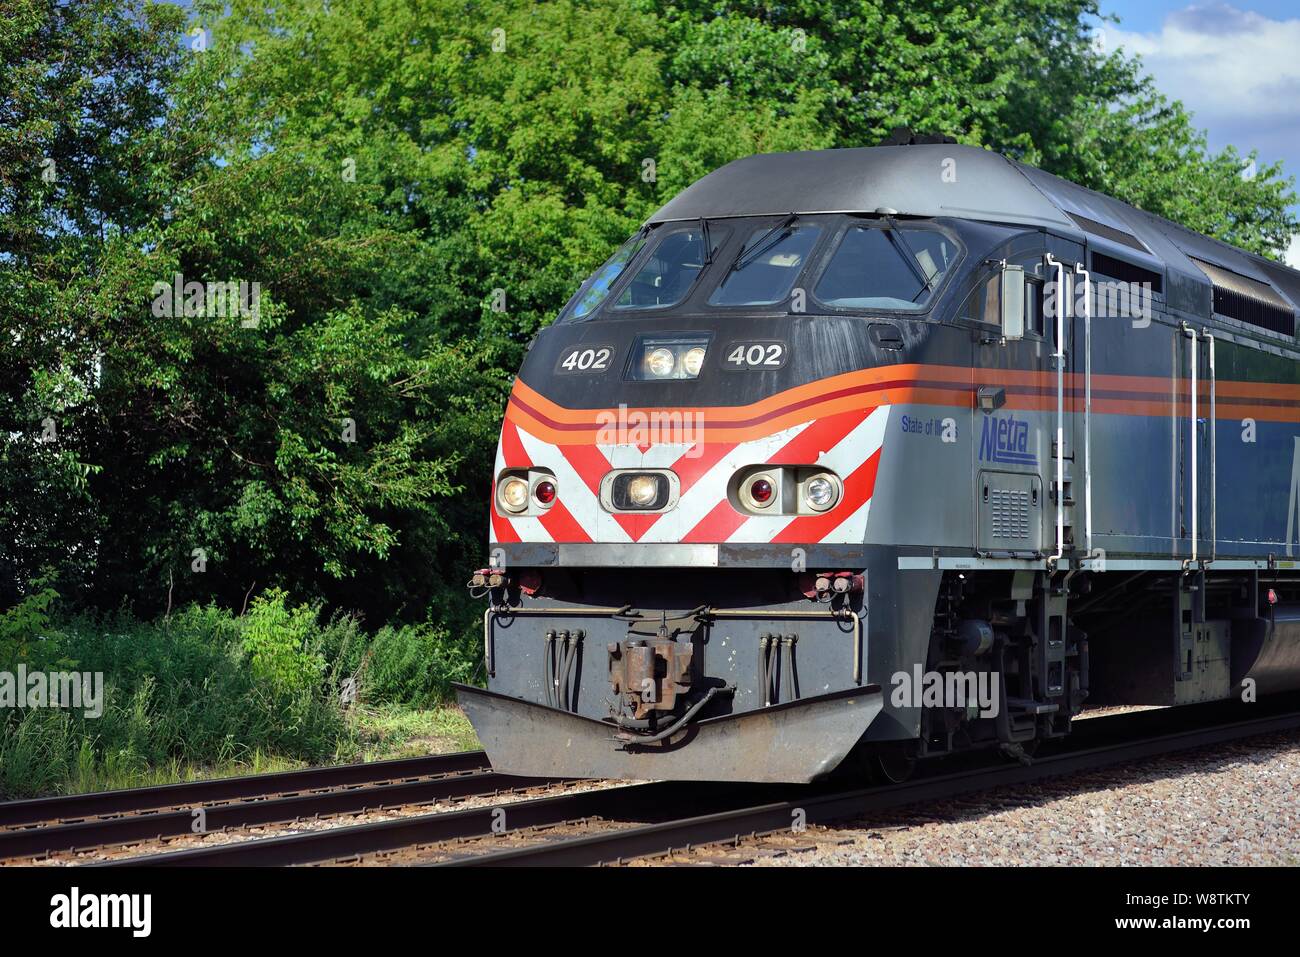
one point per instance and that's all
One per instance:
(1235, 65)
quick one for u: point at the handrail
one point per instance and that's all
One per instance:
(1087, 409)
(1214, 450)
(1059, 356)
(1191, 337)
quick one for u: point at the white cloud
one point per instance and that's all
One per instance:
(1293, 254)
(1238, 71)
(1222, 60)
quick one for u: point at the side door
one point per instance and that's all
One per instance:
(1013, 419)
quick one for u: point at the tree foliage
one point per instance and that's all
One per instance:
(390, 173)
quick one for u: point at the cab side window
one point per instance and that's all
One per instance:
(984, 304)
(1034, 306)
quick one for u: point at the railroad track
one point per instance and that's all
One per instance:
(631, 821)
(733, 825)
(43, 826)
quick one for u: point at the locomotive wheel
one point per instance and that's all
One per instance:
(891, 763)
(1027, 751)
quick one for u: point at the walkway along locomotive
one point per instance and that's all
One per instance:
(884, 453)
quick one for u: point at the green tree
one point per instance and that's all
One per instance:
(81, 89)
(417, 186)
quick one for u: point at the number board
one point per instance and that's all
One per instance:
(585, 359)
(755, 355)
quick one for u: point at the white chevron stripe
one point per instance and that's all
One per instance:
(844, 458)
(859, 445)
(852, 530)
(711, 487)
(581, 502)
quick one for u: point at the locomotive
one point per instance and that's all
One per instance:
(853, 458)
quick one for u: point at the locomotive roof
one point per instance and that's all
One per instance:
(934, 180)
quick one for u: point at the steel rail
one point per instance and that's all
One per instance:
(715, 802)
(657, 839)
(200, 819)
(346, 842)
(71, 807)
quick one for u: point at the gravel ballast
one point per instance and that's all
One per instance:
(1233, 804)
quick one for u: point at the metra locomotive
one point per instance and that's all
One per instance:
(884, 453)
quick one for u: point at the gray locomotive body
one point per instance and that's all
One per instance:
(887, 453)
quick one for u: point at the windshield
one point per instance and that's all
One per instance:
(670, 272)
(885, 268)
(766, 269)
(593, 292)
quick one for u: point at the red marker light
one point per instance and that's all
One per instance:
(761, 491)
(545, 492)
(1272, 597)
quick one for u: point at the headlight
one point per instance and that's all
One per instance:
(820, 493)
(514, 494)
(637, 491)
(660, 362)
(659, 357)
(693, 361)
(643, 490)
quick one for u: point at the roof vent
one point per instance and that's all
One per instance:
(1248, 300)
(1107, 232)
(903, 136)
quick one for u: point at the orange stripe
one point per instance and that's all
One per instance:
(765, 406)
(906, 383)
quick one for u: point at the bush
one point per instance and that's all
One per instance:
(276, 639)
(204, 687)
(179, 691)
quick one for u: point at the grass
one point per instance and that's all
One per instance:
(390, 731)
(204, 693)
(394, 731)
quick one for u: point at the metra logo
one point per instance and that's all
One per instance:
(1006, 440)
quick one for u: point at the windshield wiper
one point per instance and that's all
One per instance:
(766, 241)
(895, 236)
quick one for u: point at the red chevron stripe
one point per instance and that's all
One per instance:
(503, 530)
(821, 436)
(562, 526)
(589, 462)
(697, 460)
(636, 525)
(717, 526)
(512, 448)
